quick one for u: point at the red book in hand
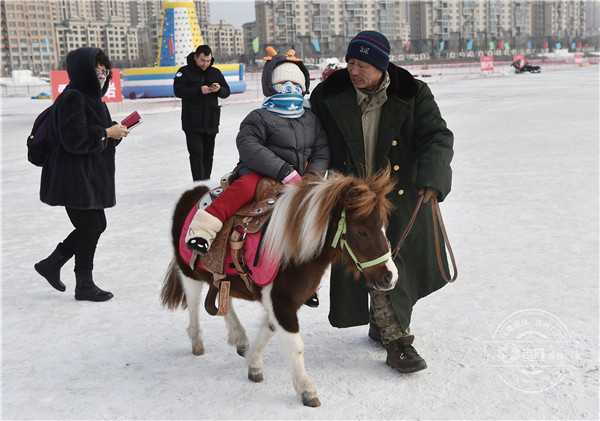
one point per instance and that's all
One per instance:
(132, 120)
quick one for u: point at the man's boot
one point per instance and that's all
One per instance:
(49, 268)
(86, 289)
(402, 356)
(374, 332)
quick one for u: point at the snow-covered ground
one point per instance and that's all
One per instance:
(516, 337)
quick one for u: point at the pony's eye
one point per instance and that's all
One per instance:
(362, 233)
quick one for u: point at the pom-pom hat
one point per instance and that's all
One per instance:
(371, 47)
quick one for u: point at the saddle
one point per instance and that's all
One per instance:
(249, 219)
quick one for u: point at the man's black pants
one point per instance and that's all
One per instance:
(201, 147)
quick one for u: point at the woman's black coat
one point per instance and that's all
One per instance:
(199, 113)
(80, 169)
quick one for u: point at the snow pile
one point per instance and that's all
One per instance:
(23, 78)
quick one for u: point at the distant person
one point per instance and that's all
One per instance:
(79, 173)
(377, 114)
(199, 85)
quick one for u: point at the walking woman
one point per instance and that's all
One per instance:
(79, 172)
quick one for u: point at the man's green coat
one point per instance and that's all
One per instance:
(415, 141)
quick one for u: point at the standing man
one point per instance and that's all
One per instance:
(376, 114)
(199, 84)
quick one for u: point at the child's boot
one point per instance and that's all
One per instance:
(202, 232)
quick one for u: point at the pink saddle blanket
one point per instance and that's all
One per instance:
(262, 273)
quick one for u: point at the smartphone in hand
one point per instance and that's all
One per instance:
(132, 120)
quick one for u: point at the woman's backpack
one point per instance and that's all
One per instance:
(37, 141)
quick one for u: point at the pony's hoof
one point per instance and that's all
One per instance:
(198, 350)
(242, 349)
(255, 374)
(310, 399)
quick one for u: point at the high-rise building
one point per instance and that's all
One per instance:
(28, 38)
(225, 41)
(295, 23)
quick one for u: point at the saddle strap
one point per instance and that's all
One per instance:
(436, 214)
(236, 244)
(222, 288)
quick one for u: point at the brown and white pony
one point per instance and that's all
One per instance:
(314, 223)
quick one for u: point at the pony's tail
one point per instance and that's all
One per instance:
(172, 294)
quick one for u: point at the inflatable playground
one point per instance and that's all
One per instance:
(152, 82)
(180, 36)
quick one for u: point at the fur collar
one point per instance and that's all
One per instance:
(402, 83)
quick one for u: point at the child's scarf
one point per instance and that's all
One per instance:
(286, 105)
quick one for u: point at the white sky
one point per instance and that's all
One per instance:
(234, 12)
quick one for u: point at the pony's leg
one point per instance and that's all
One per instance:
(193, 291)
(293, 347)
(254, 355)
(236, 334)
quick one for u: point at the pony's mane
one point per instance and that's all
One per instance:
(298, 227)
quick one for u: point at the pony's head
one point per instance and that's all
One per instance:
(365, 247)
(346, 214)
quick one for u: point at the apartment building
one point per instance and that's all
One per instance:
(480, 22)
(116, 38)
(28, 39)
(38, 34)
(226, 41)
(561, 19)
(296, 23)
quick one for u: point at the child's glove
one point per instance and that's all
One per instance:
(292, 177)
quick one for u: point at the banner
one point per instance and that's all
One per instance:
(579, 59)
(529, 45)
(407, 46)
(255, 45)
(47, 48)
(442, 46)
(506, 46)
(491, 45)
(59, 80)
(316, 44)
(487, 63)
(558, 46)
(470, 45)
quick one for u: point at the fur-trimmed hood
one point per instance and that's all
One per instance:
(402, 83)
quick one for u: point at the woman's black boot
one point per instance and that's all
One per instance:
(86, 289)
(49, 268)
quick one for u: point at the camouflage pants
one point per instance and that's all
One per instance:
(382, 315)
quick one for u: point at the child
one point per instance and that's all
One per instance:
(283, 140)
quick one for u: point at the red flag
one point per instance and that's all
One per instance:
(407, 46)
(585, 46)
(545, 45)
(499, 45)
(578, 45)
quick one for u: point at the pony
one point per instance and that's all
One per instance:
(319, 221)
